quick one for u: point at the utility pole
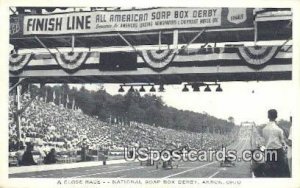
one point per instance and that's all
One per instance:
(18, 123)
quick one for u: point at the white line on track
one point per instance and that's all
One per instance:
(184, 167)
(109, 172)
(185, 171)
(214, 174)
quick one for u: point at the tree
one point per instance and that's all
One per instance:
(148, 109)
(231, 119)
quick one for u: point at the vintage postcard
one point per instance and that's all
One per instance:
(133, 95)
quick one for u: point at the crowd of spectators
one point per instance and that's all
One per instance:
(51, 126)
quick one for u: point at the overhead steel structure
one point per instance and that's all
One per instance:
(152, 45)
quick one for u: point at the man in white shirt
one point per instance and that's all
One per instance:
(289, 152)
(274, 142)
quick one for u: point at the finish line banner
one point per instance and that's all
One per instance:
(134, 20)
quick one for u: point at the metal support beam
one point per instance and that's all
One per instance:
(285, 42)
(198, 35)
(14, 86)
(175, 39)
(159, 39)
(126, 41)
(14, 12)
(255, 33)
(288, 48)
(204, 45)
(44, 46)
(57, 50)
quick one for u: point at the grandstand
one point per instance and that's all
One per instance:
(48, 125)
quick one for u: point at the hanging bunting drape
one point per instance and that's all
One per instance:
(257, 56)
(158, 59)
(18, 61)
(71, 61)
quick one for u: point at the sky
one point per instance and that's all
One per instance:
(245, 101)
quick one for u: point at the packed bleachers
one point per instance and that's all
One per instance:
(52, 126)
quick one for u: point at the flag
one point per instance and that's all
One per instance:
(67, 101)
(29, 89)
(62, 98)
(46, 95)
(73, 104)
(59, 101)
(54, 96)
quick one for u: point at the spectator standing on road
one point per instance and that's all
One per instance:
(84, 149)
(274, 141)
(51, 157)
(20, 153)
(27, 158)
(289, 152)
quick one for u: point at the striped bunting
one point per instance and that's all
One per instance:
(158, 59)
(257, 56)
(150, 62)
(71, 61)
(18, 61)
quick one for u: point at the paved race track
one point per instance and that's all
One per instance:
(134, 170)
